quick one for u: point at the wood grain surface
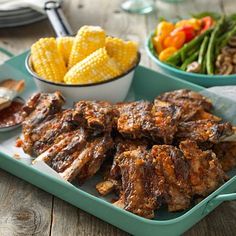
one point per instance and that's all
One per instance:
(27, 210)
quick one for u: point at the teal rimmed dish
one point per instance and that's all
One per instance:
(200, 79)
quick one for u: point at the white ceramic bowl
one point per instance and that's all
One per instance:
(113, 90)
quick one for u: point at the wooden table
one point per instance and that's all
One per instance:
(27, 210)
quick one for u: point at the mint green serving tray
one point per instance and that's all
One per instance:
(146, 85)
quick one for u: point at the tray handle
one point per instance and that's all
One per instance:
(57, 19)
(218, 199)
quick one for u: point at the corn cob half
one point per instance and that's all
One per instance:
(124, 52)
(87, 40)
(47, 61)
(64, 45)
(96, 67)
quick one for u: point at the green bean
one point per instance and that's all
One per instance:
(210, 56)
(189, 60)
(182, 54)
(203, 66)
(203, 50)
(227, 37)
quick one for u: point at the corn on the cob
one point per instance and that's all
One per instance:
(124, 52)
(95, 68)
(64, 45)
(87, 40)
(47, 61)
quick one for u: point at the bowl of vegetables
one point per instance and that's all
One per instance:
(201, 49)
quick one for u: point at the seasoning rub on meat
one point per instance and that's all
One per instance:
(166, 152)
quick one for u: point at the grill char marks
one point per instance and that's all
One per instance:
(40, 108)
(97, 149)
(112, 179)
(51, 131)
(190, 102)
(143, 119)
(95, 115)
(157, 153)
(173, 173)
(136, 182)
(206, 173)
(203, 131)
(77, 155)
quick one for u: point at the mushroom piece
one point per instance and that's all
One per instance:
(219, 60)
(228, 51)
(232, 41)
(226, 69)
(234, 59)
(194, 67)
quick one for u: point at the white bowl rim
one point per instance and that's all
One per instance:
(28, 65)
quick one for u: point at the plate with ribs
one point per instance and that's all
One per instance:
(156, 163)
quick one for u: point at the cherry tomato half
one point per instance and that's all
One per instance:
(189, 31)
(166, 53)
(207, 22)
(176, 40)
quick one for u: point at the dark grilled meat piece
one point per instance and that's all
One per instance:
(143, 119)
(136, 170)
(172, 171)
(123, 145)
(189, 101)
(133, 118)
(97, 149)
(226, 154)
(112, 180)
(205, 173)
(204, 131)
(166, 117)
(48, 132)
(203, 115)
(40, 108)
(95, 115)
(77, 155)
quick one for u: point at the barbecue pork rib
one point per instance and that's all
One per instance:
(136, 171)
(143, 119)
(40, 108)
(112, 180)
(172, 171)
(226, 154)
(95, 115)
(77, 155)
(51, 131)
(201, 131)
(206, 172)
(189, 101)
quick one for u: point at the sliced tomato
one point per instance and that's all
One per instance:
(189, 31)
(207, 22)
(175, 40)
(166, 53)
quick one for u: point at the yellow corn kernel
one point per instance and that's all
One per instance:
(47, 61)
(87, 40)
(97, 67)
(64, 45)
(124, 52)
